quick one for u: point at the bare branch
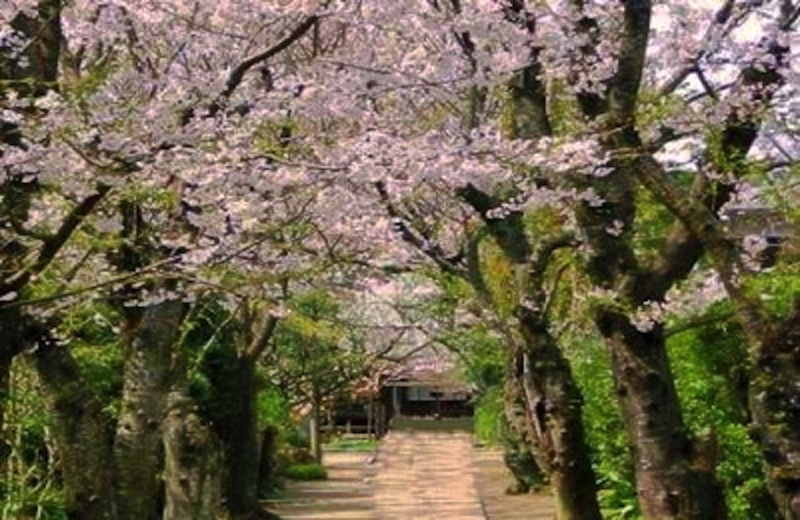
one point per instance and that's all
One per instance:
(236, 76)
(421, 242)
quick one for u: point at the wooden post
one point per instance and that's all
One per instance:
(369, 417)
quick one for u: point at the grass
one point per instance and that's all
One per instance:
(310, 471)
(351, 444)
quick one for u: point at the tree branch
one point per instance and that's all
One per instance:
(53, 244)
(262, 339)
(624, 89)
(401, 223)
(236, 76)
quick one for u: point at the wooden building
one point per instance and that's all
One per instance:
(427, 394)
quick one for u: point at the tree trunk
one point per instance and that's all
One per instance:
(669, 485)
(5, 388)
(148, 369)
(18, 332)
(540, 375)
(191, 462)
(552, 409)
(774, 396)
(517, 454)
(241, 490)
(82, 435)
(266, 457)
(313, 428)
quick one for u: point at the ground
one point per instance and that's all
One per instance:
(416, 473)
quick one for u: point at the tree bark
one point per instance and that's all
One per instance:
(241, 437)
(541, 375)
(82, 434)
(192, 462)
(668, 483)
(774, 398)
(553, 406)
(148, 368)
(241, 445)
(774, 389)
(266, 457)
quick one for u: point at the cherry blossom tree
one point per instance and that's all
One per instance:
(200, 135)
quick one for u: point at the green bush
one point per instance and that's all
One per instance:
(489, 416)
(310, 471)
(611, 456)
(357, 445)
(710, 366)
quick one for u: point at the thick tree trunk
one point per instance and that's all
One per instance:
(82, 435)
(669, 485)
(551, 400)
(241, 489)
(137, 449)
(17, 334)
(517, 454)
(266, 457)
(5, 388)
(774, 396)
(192, 462)
(552, 409)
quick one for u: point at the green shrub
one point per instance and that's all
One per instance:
(710, 366)
(489, 416)
(310, 471)
(357, 445)
(605, 433)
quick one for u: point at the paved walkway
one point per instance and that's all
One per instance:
(423, 475)
(427, 475)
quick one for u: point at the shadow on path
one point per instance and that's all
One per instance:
(418, 474)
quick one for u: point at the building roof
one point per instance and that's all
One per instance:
(449, 380)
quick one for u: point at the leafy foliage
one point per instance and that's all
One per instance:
(309, 471)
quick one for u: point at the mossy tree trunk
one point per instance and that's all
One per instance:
(192, 461)
(82, 432)
(540, 376)
(149, 341)
(774, 397)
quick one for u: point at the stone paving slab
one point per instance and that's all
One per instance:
(417, 475)
(427, 475)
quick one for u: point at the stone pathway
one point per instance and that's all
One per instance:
(347, 494)
(424, 475)
(427, 475)
(492, 478)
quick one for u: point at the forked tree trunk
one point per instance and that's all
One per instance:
(552, 403)
(82, 435)
(192, 462)
(241, 438)
(148, 368)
